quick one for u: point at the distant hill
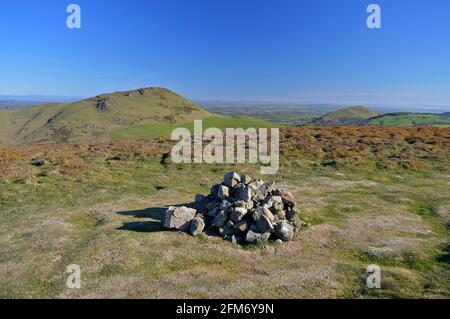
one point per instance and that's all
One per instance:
(411, 119)
(95, 118)
(131, 114)
(355, 115)
(446, 114)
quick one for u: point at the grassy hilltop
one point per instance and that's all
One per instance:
(373, 195)
(354, 115)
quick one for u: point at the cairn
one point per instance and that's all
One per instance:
(241, 210)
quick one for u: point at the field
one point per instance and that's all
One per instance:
(280, 113)
(372, 196)
(164, 129)
(408, 119)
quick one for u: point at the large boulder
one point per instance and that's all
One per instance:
(179, 218)
(284, 230)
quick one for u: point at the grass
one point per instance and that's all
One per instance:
(411, 119)
(164, 129)
(82, 207)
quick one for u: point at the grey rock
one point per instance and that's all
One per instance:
(220, 219)
(246, 179)
(223, 192)
(226, 231)
(220, 192)
(179, 218)
(237, 214)
(262, 211)
(241, 227)
(277, 204)
(242, 193)
(197, 226)
(264, 225)
(257, 193)
(231, 179)
(284, 230)
(225, 205)
(281, 215)
(214, 212)
(291, 213)
(288, 198)
(199, 198)
(256, 238)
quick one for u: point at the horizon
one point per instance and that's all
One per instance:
(320, 53)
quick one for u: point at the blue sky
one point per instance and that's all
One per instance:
(265, 50)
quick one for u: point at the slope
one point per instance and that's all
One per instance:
(355, 115)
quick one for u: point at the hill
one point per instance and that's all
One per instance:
(410, 119)
(151, 112)
(355, 115)
(95, 118)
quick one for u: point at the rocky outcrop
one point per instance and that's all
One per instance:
(103, 106)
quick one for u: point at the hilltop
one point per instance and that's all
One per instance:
(355, 115)
(95, 118)
(151, 112)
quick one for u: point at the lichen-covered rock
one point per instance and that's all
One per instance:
(197, 226)
(179, 218)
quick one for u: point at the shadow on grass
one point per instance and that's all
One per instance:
(155, 225)
(155, 213)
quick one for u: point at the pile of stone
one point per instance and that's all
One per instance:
(240, 210)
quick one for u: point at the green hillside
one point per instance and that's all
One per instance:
(410, 119)
(355, 115)
(164, 129)
(95, 118)
(19, 125)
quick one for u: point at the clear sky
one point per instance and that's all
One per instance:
(277, 50)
